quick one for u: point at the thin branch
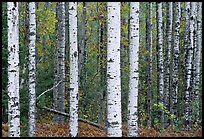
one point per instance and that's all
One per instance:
(49, 90)
(79, 119)
(56, 111)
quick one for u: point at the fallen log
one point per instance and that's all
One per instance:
(79, 119)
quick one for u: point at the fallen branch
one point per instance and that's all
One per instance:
(49, 90)
(56, 111)
(79, 119)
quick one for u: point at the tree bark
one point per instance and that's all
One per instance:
(191, 46)
(73, 121)
(197, 60)
(167, 77)
(13, 70)
(66, 47)
(134, 71)
(187, 52)
(175, 60)
(114, 126)
(160, 68)
(32, 70)
(59, 98)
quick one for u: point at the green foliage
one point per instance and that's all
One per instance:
(91, 85)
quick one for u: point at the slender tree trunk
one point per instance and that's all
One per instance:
(167, 61)
(73, 121)
(149, 73)
(59, 98)
(197, 60)
(13, 70)
(32, 70)
(66, 47)
(194, 56)
(160, 68)
(175, 60)
(114, 119)
(187, 67)
(134, 72)
(55, 90)
(191, 39)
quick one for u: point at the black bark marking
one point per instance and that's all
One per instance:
(75, 54)
(115, 123)
(109, 76)
(15, 4)
(72, 8)
(77, 96)
(110, 60)
(70, 89)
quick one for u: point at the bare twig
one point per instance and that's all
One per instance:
(49, 90)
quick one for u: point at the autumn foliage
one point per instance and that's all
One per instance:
(47, 128)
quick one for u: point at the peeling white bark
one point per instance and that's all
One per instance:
(187, 49)
(134, 73)
(198, 52)
(175, 60)
(167, 76)
(191, 47)
(32, 70)
(114, 121)
(160, 68)
(13, 71)
(73, 122)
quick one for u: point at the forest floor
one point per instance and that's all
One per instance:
(47, 128)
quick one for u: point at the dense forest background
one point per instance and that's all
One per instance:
(92, 86)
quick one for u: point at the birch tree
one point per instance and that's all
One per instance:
(197, 60)
(114, 126)
(160, 68)
(60, 50)
(187, 52)
(175, 59)
(32, 69)
(13, 70)
(167, 61)
(191, 46)
(149, 80)
(73, 121)
(134, 72)
(193, 72)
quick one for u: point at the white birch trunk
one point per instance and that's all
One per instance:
(32, 70)
(191, 39)
(134, 72)
(197, 60)
(167, 77)
(194, 53)
(187, 51)
(175, 62)
(73, 122)
(13, 71)
(114, 121)
(160, 68)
